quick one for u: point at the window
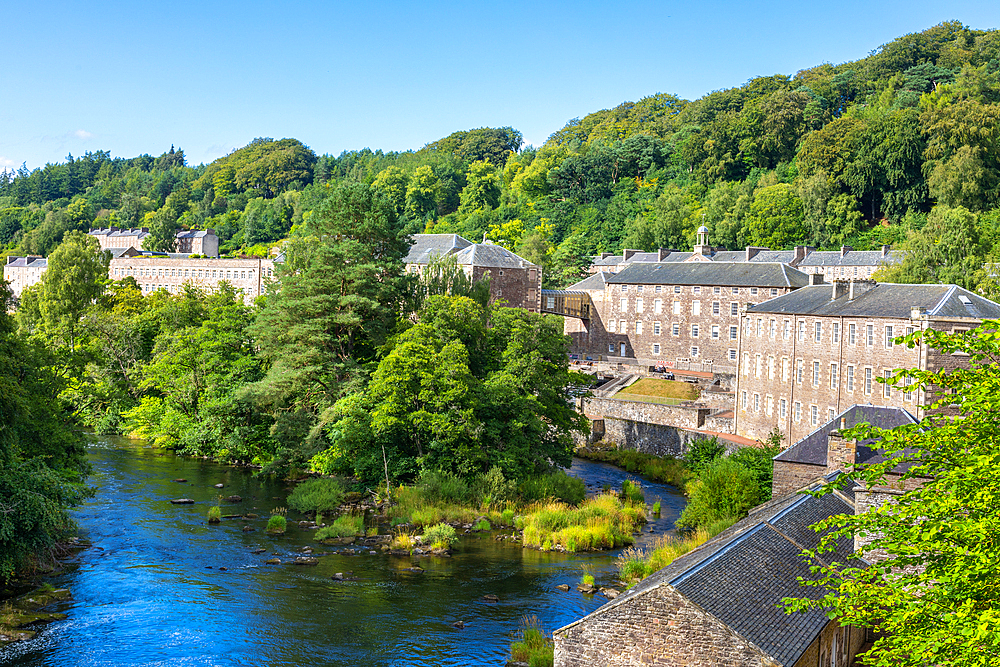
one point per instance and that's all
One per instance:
(756, 366)
(694, 351)
(716, 290)
(657, 306)
(715, 331)
(888, 337)
(773, 328)
(746, 363)
(656, 328)
(733, 332)
(623, 307)
(743, 400)
(868, 380)
(770, 368)
(851, 331)
(802, 330)
(622, 327)
(830, 414)
(850, 378)
(907, 393)
(813, 415)
(677, 307)
(798, 371)
(675, 329)
(694, 331)
(784, 369)
(887, 388)
(638, 328)
(656, 348)
(870, 335)
(798, 412)
(611, 347)
(732, 354)
(639, 289)
(786, 332)
(756, 402)
(696, 308)
(715, 307)
(611, 326)
(818, 332)
(774, 291)
(677, 289)
(753, 291)
(833, 376)
(768, 406)
(624, 288)
(638, 305)
(909, 330)
(736, 290)
(782, 408)
(815, 373)
(836, 332)
(658, 289)
(696, 289)
(734, 308)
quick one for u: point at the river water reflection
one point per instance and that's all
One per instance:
(152, 590)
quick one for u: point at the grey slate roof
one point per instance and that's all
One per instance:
(741, 575)
(812, 449)
(594, 282)
(491, 256)
(33, 262)
(613, 260)
(783, 256)
(883, 300)
(851, 258)
(427, 247)
(712, 273)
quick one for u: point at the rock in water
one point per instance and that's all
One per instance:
(180, 479)
(491, 598)
(305, 560)
(458, 624)
(563, 587)
(183, 501)
(338, 577)
(234, 499)
(219, 486)
(272, 561)
(610, 593)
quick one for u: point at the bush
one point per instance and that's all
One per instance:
(214, 514)
(347, 525)
(701, 453)
(656, 508)
(724, 489)
(632, 493)
(496, 488)
(317, 495)
(759, 460)
(404, 541)
(482, 524)
(557, 485)
(276, 525)
(507, 517)
(440, 536)
(532, 645)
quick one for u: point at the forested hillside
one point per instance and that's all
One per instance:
(858, 153)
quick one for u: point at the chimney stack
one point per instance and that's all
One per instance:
(839, 289)
(627, 254)
(815, 278)
(844, 249)
(859, 287)
(885, 250)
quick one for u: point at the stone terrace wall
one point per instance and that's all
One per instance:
(657, 627)
(656, 439)
(691, 417)
(791, 476)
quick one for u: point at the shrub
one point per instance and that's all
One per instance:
(759, 460)
(317, 495)
(214, 514)
(440, 536)
(532, 645)
(482, 524)
(347, 525)
(724, 489)
(701, 453)
(276, 525)
(632, 493)
(404, 541)
(656, 508)
(557, 485)
(507, 517)
(588, 578)
(496, 487)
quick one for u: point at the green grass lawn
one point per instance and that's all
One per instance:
(649, 387)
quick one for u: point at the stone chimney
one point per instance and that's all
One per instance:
(627, 254)
(859, 287)
(800, 253)
(839, 289)
(815, 278)
(753, 252)
(605, 255)
(885, 250)
(844, 249)
(663, 252)
(917, 312)
(840, 452)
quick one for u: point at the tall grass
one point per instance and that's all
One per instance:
(347, 525)
(532, 645)
(602, 522)
(317, 495)
(636, 564)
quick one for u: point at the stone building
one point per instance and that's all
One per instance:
(22, 272)
(657, 314)
(807, 356)
(170, 271)
(194, 241)
(720, 604)
(514, 281)
(848, 263)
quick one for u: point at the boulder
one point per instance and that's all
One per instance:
(338, 577)
(610, 593)
(183, 501)
(234, 499)
(305, 560)
(489, 597)
(180, 479)
(258, 551)
(563, 587)
(219, 486)
(586, 588)
(272, 561)
(458, 624)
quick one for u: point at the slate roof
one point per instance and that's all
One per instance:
(712, 273)
(430, 246)
(883, 300)
(851, 258)
(741, 575)
(491, 256)
(783, 256)
(812, 449)
(594, 282)
(33, 262)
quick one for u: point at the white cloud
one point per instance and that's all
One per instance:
(83, 134)
(6, 162)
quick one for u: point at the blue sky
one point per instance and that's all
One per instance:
(135, 77)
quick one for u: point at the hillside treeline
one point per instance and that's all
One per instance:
(858, 153)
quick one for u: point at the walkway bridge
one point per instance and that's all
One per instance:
(566, 303)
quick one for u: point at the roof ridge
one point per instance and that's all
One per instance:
(697, 567)
(943, 300)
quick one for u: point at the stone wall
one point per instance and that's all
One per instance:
(519, 287)
(657, 627)
(690, 417)
(791, 476)
(656, 439)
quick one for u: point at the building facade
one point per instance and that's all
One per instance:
(172, 271)
(848, 263)
(807, 356)
(665, 312)
(193, 241)
(23, 272)
(514, 281)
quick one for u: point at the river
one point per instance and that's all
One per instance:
(160, 586)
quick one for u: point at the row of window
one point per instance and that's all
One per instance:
(816, 332)
(696, 289)
(815, 372)
(754, 403)
(149, 287)
(695, 330)
(194, 273)
(677, 307)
